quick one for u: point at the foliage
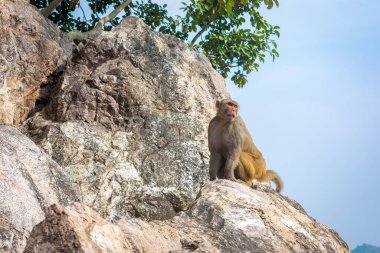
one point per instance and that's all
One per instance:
(231, 33)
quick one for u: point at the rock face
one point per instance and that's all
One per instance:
(128, 122)
(234, 216)
(76, 229)
(30, 182)
(226, 217)
(31, 50)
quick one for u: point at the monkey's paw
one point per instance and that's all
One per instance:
(231, 177)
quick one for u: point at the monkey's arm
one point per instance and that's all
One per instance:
(216, 163)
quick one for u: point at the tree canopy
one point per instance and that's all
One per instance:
(231, 33)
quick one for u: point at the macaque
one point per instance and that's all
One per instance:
(233, 154)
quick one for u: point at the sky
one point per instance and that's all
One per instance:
(315, 111)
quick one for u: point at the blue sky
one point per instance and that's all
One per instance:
(315, 111)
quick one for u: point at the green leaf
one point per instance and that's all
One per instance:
(230, 4)
(270, 4)
(232, 49)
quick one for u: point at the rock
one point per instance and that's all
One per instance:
(76, 229)
(128, 123)
(126, 120)
(226, 217)
(32, 49)
(236, 218)
(30, 182)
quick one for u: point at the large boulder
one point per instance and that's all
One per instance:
(236, 218)
(126, 120)
(128, 123)
(76, 228)
(226, 217)
(30, 182)
(32, 50)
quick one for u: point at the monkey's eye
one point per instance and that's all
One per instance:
(232, 105)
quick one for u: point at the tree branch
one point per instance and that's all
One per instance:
(78, 36)
(84, 14)
(112, 15)
(51, 7)
(196, 37)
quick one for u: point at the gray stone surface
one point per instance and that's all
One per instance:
(30, 181)
(226, 217)
(32, 49)
(128, 122)
(236, 218)
(76, 228)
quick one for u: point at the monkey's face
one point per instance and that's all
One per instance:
(228, 110)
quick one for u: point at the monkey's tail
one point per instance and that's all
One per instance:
(270, 175)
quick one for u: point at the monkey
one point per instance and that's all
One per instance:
(233, 154)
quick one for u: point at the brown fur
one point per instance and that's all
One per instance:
(233, 153)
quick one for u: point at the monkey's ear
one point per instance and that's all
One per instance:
(217, 103)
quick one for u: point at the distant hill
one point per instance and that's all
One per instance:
(366, 248)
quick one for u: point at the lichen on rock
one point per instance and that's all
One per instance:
(128, 122)
(226, 217)
(30, 182)
(32, 49)
(122, 122)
